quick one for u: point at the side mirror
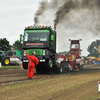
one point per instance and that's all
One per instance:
(52, 37)
(69, 39)
(20, 37)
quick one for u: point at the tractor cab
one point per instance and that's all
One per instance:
(75, 48)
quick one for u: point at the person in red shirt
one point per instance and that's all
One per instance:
(31, 65)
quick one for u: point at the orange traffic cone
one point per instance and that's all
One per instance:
(21, 66)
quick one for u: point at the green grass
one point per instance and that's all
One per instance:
(7, 67)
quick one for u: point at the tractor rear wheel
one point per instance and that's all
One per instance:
(6, 61)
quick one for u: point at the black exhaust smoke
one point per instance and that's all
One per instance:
(40, 11)
(65, 8)
(62, 11)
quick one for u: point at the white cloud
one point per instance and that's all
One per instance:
(14, 19)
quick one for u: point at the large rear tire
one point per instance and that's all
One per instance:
(25, 65)
(6, 61)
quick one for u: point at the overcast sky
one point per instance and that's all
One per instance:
(15, 15)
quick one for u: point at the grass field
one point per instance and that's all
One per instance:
(67, 87)
(6, 67)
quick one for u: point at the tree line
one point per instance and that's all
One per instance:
(5, 45)
(92, 49)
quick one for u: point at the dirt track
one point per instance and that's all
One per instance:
(80, 85)
(19, 74)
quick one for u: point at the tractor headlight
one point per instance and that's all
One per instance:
(43, 52)
(24, 53)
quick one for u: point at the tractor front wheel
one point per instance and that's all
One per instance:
(49, 63)
(25, 65)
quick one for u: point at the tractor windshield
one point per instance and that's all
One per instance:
(35, 37)
(75, 46)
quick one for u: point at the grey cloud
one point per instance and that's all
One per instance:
(73, 19)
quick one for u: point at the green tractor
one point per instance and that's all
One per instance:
(4, 59)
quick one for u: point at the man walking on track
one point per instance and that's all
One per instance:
(31, 65)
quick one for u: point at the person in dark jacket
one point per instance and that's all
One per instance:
(31, 65)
